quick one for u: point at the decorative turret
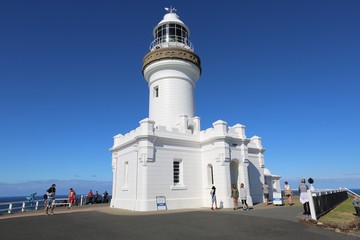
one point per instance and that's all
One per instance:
(171, 69)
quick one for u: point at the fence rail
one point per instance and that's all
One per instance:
(321, 202)
(26, 205)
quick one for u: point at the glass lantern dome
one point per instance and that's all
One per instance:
(171, 32)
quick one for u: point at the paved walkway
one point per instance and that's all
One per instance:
(102, 222)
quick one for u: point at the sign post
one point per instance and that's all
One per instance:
(161, 203)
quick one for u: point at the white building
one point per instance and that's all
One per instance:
(168, 154)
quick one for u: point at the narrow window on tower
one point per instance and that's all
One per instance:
(156, 91)
(126, 175)
(178, 175)
(176, 167)
(210, 175)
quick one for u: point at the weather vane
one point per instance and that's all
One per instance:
(170, 9)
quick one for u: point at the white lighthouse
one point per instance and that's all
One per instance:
(168, 155)
(171, 69)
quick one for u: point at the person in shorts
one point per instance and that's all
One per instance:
(72, 198)
(50, 201)
(213, 198)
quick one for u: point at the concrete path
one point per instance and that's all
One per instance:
(102, 222)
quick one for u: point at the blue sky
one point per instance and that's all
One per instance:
(70, 74)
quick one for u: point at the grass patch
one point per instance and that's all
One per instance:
(342, 214)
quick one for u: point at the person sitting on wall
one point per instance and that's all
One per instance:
(90, 196)
(104, 197)
(96, 197)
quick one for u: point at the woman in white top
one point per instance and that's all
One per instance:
(304, 197)
(243, 196)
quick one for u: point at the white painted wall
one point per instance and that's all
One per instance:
(175, 81)
(150, 151)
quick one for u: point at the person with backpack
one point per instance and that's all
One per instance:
(235, 196)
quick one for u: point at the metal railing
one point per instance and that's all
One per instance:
(26, 205)
(171, 42)
(321, 202)
(351, 192)
(22, 206)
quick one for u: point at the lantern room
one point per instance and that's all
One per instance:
(171, 32)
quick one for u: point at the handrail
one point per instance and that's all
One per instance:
(171, 42)
(351, 192)
(25, 205)
(21, 205)
(322, 201)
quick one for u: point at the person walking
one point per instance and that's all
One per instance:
(235, 196)
(213, 198)
(288, 193)
(45, 197)
(72, 198)
(355, 203)
(50, 200)
(243, 197)
(265, 188)
(304, 197)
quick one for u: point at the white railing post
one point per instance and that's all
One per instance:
(10, 207)
(84, 199)
(311, 205)
(37, 205)
(23, 207)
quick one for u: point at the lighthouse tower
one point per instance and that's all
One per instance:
(168, 162)
(171, 69)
